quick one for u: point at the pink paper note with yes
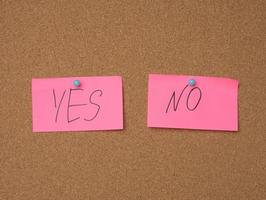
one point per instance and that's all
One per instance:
(57, 105)
(211, 104)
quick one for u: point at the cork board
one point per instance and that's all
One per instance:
(132, 39)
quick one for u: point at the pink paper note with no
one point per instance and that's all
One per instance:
(209, 105)
(57, 105)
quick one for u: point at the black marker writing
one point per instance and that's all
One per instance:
(97, 105)
(59, 106)
(69, 105)
(175, 104)
(194, 89)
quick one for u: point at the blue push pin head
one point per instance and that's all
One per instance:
(191, 82)
(76, 83)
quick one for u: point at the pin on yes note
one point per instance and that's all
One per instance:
(76, 83)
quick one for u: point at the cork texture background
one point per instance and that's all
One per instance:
(53, 38)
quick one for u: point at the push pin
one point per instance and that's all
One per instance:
(191, 82)
(76, 83)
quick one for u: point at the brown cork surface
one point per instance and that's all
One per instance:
(132, 38)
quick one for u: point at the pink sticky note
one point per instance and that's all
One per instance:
(211, 104)
(58, 105)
